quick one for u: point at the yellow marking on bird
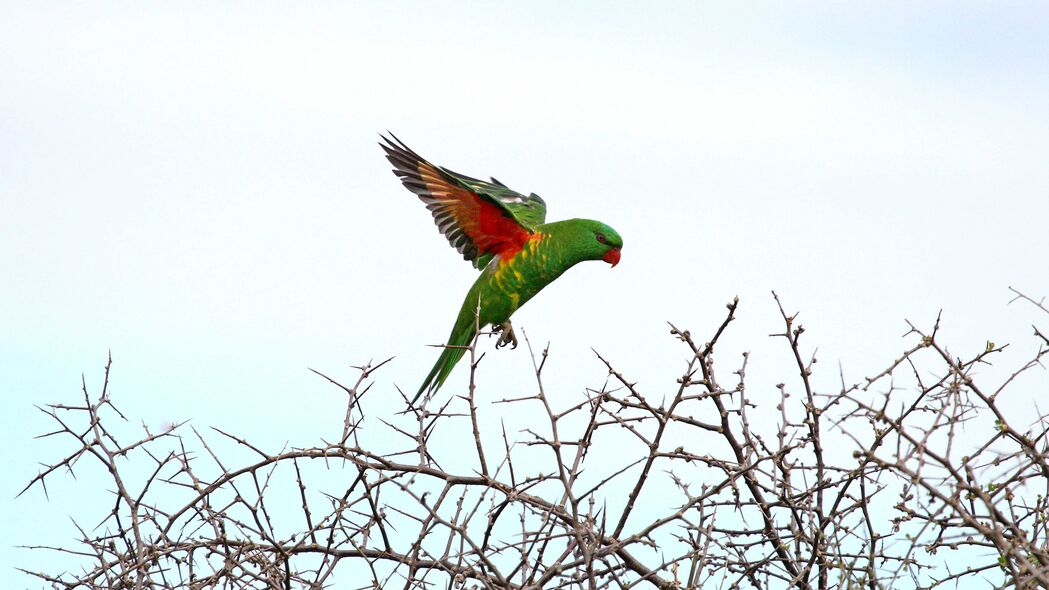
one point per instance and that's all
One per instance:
(503, 273)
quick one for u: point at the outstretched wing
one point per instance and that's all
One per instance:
(480, 219)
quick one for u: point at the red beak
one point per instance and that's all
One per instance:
(612, 256)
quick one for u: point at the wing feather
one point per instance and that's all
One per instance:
(479, 219)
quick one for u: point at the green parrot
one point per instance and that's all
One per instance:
(503, 233)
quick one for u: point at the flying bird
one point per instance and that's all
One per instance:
(505, 235)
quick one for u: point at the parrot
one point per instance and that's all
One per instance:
(505, 235)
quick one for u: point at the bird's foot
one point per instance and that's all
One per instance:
(506, 335)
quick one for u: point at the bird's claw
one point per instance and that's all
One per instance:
(506, 335)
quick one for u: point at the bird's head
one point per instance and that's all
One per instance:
(593, 240)
(612, 242)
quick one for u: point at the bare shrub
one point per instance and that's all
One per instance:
(882, 483)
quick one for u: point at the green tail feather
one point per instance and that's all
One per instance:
(462, 334)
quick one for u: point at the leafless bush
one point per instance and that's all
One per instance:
(883, 483)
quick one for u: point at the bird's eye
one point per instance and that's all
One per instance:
(601, 238)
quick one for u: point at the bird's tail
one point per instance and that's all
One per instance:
(458, 341)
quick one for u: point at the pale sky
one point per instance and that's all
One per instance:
(198, 189)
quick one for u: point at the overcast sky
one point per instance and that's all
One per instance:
(198, 189)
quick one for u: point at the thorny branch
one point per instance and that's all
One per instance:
(914, 476)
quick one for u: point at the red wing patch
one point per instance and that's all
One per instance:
(474, 224)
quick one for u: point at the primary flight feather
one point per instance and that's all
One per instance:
(503, 233)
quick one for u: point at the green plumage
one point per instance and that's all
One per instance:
(504, 287)
(502, 232)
